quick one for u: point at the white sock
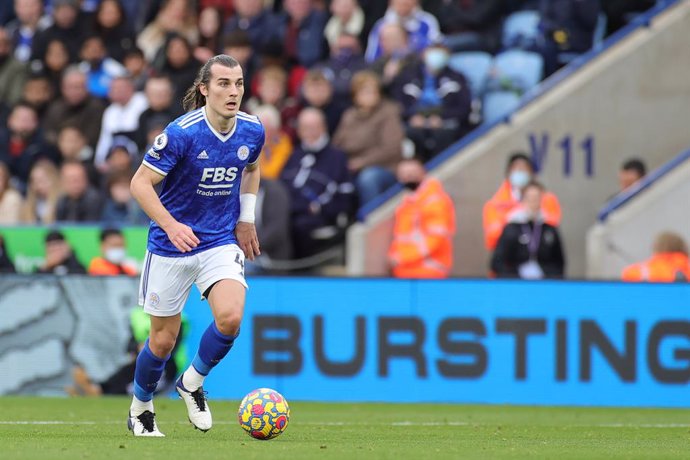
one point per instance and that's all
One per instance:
(191, 379)
(138, 407)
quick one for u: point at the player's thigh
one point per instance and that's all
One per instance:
(165, 284)
(222, 272)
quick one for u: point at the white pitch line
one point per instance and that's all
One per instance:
(332, 423)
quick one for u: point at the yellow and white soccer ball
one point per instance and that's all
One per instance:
(264, 414)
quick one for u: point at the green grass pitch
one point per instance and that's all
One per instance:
(61, 428)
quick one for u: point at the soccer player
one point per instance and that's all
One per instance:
(202, 229)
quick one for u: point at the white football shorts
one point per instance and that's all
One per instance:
(166, 281)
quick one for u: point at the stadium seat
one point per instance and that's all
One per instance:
(521, 29)
(517, 70)
(475, 66)
(498, 104)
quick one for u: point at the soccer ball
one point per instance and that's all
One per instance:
(264, 414)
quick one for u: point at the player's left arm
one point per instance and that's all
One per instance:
(245, 231)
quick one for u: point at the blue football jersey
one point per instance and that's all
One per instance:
(203, 170)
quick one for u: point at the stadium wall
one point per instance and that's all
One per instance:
(565, 343)
(629, 100)
(629, 224)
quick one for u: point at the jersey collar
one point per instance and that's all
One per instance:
(216, 133)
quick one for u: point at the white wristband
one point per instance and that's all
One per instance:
(247, 205)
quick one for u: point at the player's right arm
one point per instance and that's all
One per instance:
(142, 187)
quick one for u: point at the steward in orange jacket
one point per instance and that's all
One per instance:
(424, 226)
(519, 172)
(99, 266)
(670, 262)
(113, 260)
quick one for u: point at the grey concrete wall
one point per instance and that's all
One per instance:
(627, 235)
(632, 100)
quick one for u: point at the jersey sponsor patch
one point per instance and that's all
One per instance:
(243, 152)
(160, 141)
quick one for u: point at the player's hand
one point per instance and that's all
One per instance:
(182, 236)
(247, 239)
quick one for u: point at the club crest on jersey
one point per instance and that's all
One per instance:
(243, 153)
(160, 141)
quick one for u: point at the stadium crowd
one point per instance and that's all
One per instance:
(340, 86)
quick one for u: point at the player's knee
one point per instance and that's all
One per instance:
(229, 324)
(162, 343)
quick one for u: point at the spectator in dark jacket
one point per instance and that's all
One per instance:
(319, 183)
(317, 92)
(346, 60)
(436, 102)
(253, 18)
(300, 29)
(60, 259)
(80, 202)
(6, 265)
(473, 24)
(111, 24)
(567, 26)
(69, 26)
(21, 143)
(529, 248)
(176, 61)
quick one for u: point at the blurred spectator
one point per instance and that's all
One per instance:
(371, 134)
(120, 208)
(123, 156)
(317, 92)
(519, 172)
(76, 107)
(238, 45)
(21, 143)
(346, 59)
(567, 26)
(620, 12)
(111, 24)
(373, 11)
(529, 248)
(11, 201)
(174, 16)
(60, 259)
(42, 194)
(320, 188)
(99, 67)
(422, 28)
(30, 20)
(471, 25)
(347, 18)
(271, 89)
(69, 26)
(112, 260)
(159, 94)
(54, 63)
(437, 102)
(137, 68)
(278, 145)
(6, 12)
(72, 145)
(210, 33)
(79, 202)
(254, 19)
(272, 225)
(424, 226)
(176, 61)
(669, 262)
(38, 92)
(6, 265)
(300, 29)
(631, 171)
(12, 72)
(225, 8)
(396, 55)
(121, 116)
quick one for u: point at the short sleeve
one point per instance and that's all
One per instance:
(257, 147)
(166, 151)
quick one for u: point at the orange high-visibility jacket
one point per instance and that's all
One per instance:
(497, 209)
(101, 267)
(423, 232)
(665, 267)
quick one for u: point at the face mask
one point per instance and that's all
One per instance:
(411, 185)
(519, 178)
(435, 59)
(115, 255)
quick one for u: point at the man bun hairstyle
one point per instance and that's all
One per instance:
(193, 99)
